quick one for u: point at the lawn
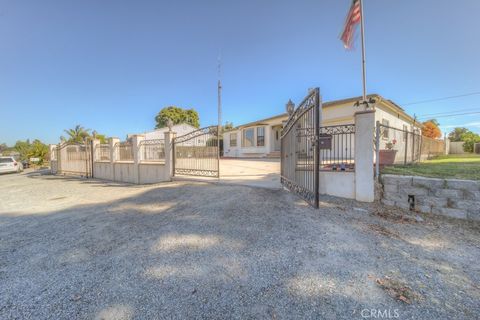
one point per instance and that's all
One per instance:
(455, 166)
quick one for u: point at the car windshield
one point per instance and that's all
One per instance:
(6, 160)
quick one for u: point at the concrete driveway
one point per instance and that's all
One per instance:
(252, 172)
(86, 249)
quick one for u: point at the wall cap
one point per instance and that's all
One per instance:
(364, 112)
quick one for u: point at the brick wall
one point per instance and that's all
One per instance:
(449, 197)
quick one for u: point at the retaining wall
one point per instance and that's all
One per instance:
(142, 173)
(448, 197)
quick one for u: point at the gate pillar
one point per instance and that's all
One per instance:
(137, 157)
(113, 155)
(53, 158)
(364, 151)
(169, 154)
(95, 144)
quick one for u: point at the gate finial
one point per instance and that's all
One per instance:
(290, 107)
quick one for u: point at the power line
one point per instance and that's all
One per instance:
(448, 112)
(441, 99)
(453, 114)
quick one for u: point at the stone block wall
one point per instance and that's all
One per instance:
(449, 197)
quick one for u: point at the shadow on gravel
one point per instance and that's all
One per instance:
(199, 250)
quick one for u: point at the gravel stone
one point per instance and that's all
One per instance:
(86, 249)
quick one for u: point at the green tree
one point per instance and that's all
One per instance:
(38, 150)
(228, 126)
(469, 138)
(22, 147)
(101, 137)
(456, 134)
(177, 115)
(78, 134)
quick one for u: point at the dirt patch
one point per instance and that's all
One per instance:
(398, 290)
(383, 231)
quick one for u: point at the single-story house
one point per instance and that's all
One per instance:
(261, 138)
(180, 130)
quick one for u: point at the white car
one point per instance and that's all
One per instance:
(9, 164)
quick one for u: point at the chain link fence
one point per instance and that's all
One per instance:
(403, 146)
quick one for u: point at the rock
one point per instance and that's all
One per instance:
(419, 219)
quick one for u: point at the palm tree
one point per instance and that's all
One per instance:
(78, 134)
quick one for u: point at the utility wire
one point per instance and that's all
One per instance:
(441, 99)
(448, 112)
(451, 115)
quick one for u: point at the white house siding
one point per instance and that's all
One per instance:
(179, 129)
(340, 114)
(239, 151)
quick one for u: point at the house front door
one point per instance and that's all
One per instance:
(277, 132)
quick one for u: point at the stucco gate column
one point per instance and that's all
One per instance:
(95, 144)
(364, 151)
(53, 149)
(169, 158)
(137, 157)
(113, 156)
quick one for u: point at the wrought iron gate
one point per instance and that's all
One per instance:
(300, 163)
(75, 159)
(197, 153)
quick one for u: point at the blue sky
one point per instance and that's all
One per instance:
(112, 65)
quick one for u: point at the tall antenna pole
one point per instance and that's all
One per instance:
(219, 102)
(219, 92)
(364, 72)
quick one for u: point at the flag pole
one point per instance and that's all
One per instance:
(364, 71)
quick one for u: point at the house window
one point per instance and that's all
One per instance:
(233, 139)
(260, 136)
(248, 138)
(405, 132)
(385, 133)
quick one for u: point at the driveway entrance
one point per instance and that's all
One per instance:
(259, 172)
(253, 172)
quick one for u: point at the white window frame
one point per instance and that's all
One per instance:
(244, 140)
(256, 136)
(386, 131)
(234, 140)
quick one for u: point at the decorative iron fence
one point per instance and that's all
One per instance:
(197, 153)
(74, 158)
(152, 150)
(75, 152)
(299, 150)
(124, 151)
(102, 152)
(336, 146)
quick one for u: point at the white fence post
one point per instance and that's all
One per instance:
(53, 158)
(364, 152)
(113, 155)
(95, 144)
(169, 158)
(137, 157)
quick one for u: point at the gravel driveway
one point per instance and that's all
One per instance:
(78, 249)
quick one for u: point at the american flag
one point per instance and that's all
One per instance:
(353, 18)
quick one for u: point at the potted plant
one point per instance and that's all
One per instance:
(387, 155)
